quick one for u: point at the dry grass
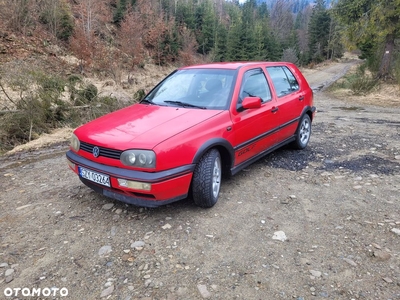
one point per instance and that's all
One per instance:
(385, 95)
(56, 136)
(142, 79)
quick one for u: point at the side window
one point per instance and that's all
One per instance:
(294, 85)
(255, 85)
(283, 80)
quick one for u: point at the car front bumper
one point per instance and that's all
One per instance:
(166, 186)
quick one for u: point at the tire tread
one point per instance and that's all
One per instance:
(202, 180)
(296, 143)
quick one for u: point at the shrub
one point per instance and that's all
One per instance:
(362, 84)
(105, 105)
(139, 95)
(57, 16)
(32, 117)
(82, 93)
(101, 106)
(42, 104)
(37, 109)
(359, 82)
(51, 84)
(88, 93)
(74, 78)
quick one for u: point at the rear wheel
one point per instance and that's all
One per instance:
(303, 133)
(206, 182)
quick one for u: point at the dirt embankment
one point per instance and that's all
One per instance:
(323, 223)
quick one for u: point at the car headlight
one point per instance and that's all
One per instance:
(75, 143)
(139, 158)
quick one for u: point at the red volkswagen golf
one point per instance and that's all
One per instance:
(199, 123)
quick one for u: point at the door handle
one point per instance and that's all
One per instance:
(301, 98)
(274, 109)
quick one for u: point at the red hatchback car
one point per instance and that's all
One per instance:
(199, 123)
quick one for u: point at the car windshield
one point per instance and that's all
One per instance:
(194, 88)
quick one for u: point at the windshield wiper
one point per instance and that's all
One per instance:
(184, 104)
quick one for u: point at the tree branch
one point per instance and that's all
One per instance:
(5, 93)
(2, 112)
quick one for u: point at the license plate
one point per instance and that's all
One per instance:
(94, 176)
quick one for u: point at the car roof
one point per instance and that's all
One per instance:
(233, 65)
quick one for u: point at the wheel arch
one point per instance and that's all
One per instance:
(225, 149)
(309, 111)
(297, 143)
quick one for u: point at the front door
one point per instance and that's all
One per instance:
(255, 129)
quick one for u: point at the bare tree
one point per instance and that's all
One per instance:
(91, 19)
(130, 37)
(92, 16)
(17, 15)
(290, 55)
(302, 29)
(187, 54)
(282, 19)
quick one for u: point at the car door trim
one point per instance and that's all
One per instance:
(253, 159)
(265, 134)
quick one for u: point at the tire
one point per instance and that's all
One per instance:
(206, 181)
(303, 133)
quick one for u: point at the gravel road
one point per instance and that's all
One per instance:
(322, 223)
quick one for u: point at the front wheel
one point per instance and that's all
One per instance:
(207, 179)
(303, 133)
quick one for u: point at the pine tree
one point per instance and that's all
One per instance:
(373, 26)
(318, 32)
(206, 26)
(221, 47)
(185, 14)
(233, 49)
(121, 8)
(248, 32)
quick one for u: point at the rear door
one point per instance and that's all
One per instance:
(254, 129)
(289, 97)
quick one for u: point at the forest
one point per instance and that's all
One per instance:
(135, 32)
(110, 37)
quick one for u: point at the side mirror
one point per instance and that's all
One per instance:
(251, 102)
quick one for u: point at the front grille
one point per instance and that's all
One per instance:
(105, 152)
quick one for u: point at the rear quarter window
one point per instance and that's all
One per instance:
(283, 80)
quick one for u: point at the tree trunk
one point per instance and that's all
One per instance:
(384, 68)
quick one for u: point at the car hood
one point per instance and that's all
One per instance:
(141, 126)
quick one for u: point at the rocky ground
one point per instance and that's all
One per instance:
(322, 223)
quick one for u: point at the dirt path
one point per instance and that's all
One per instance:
(337, 203)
